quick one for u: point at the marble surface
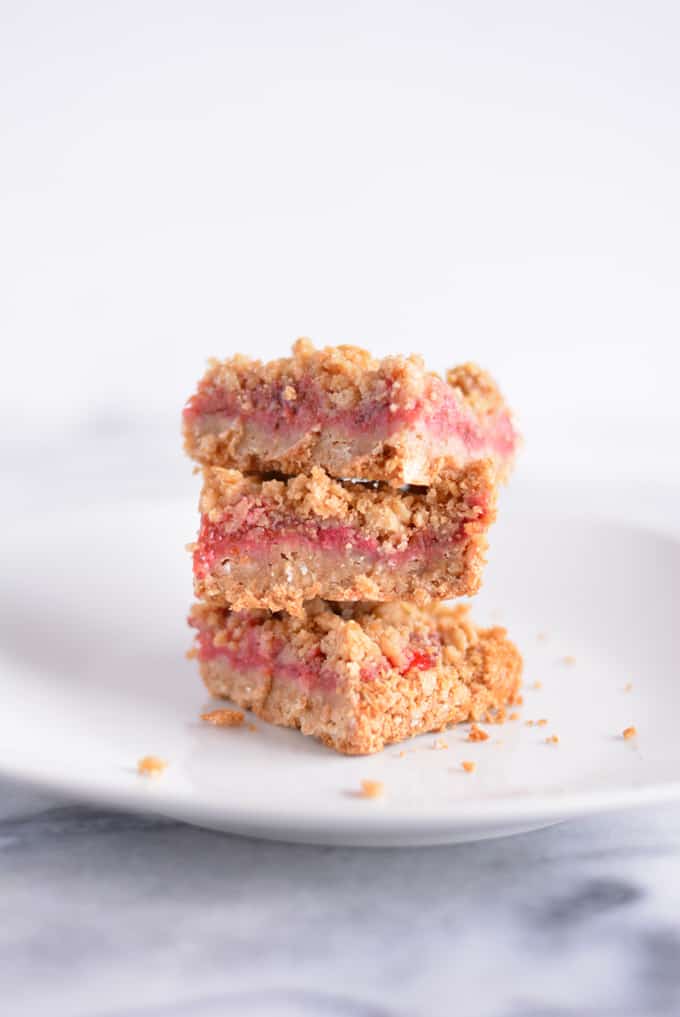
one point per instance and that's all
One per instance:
(112, 914)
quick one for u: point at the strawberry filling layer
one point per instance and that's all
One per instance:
(274, 414)
(257, 534)
(251, 650)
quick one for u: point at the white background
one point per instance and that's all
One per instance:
(488, 181)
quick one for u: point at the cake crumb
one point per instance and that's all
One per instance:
(372, 789)
(518, 701)
(529, 723)
(629, 732)
(151, 766)
(514, 715)
(542, 722)
(477, 734)
(192, 654)
(252, 727)
(224, 718)
(569, 660)
(537, 685)
(552, 739)
(541, 637)
(628, 687)
(469, 766)
(402, 754)
(440, 743)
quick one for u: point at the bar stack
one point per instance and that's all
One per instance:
(343, 499)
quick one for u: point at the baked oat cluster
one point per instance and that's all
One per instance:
(343, 498)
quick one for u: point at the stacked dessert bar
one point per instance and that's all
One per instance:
(343, 498)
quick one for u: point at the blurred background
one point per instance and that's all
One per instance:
(484, 181)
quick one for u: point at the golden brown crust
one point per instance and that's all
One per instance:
(474, 671)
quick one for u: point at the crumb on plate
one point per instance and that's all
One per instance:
(224, 718)
(569, 659)
(552, 739)
(514, 715)
(440, 743)
(537, 685)
(469, 766)
(628, 687)
(477, 734)
(629, 732)
(372, 789)
(542, 722)
(151, 766)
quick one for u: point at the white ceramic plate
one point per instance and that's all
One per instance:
(93, 676)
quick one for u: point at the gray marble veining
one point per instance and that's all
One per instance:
(115, 915)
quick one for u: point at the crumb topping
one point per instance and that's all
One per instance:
(346, 375)
(477, 388)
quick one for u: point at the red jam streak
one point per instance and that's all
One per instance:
(249, 651)
(254, 538)
(450, 421)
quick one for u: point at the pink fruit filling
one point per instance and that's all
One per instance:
(449, 419)
(272, 413)
(252, 650)
(254, 536)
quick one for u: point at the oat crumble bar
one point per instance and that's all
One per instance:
(278, 543)
(339, 408)
(357, 676)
